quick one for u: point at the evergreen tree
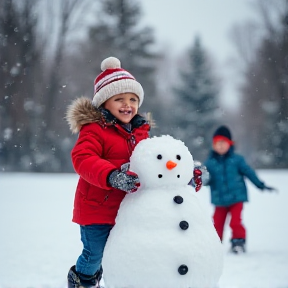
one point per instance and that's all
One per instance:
(118, 33)
(196, 102)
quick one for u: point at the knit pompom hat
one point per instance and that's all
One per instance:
(114, 80)
(223, 133)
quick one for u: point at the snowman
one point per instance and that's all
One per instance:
(162, 238)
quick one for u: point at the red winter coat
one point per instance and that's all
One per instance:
(102, 146)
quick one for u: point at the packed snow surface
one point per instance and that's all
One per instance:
(39, 243)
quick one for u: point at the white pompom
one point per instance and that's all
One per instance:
(110, 63)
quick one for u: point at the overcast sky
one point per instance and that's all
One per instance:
(176, 23)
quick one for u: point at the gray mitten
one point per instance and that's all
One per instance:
(124, 181)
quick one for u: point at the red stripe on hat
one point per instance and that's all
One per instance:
(107, 72)
(222, 138)
(109, 76)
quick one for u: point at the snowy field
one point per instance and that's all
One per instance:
(39, 243)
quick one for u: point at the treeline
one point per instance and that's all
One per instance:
(50, 53)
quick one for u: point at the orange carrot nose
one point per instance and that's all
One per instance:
(170, 165)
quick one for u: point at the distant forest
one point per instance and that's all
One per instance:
(50, 54)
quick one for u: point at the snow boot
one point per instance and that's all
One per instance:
(79, 280)
(238, 245)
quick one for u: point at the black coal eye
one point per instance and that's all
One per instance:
(178, 157)
(159, 156)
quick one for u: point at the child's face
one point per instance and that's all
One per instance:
(221, 147)
(123, 106)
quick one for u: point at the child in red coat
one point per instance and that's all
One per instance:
(109, 128)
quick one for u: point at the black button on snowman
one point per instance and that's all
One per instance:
(183, 269)
(178, 199)
(162, 236)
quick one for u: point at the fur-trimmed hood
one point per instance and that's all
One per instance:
(82, 112)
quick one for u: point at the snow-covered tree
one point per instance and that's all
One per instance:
(265, 90)
(118, 33)
(196, 101)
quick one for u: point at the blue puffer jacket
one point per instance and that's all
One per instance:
(227, 174)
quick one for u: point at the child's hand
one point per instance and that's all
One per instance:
(125, 181)
(200, 176)
(270, 189)
(197, 173)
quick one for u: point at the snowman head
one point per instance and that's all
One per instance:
(162, 161)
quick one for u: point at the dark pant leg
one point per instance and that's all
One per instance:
(238, 229)
(94, 238)
(219, 218)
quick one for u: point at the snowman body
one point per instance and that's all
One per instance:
(162, 236)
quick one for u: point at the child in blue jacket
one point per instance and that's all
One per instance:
(228, 189)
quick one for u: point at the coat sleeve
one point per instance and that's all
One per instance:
(86, 157)
(247, 171)
(208, 178)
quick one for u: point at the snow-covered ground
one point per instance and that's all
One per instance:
(39, 243)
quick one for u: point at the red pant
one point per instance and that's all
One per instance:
(219, 217)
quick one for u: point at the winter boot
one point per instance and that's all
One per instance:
(79, 280)
(238, 245)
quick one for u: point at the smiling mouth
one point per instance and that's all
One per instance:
(125, 112)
